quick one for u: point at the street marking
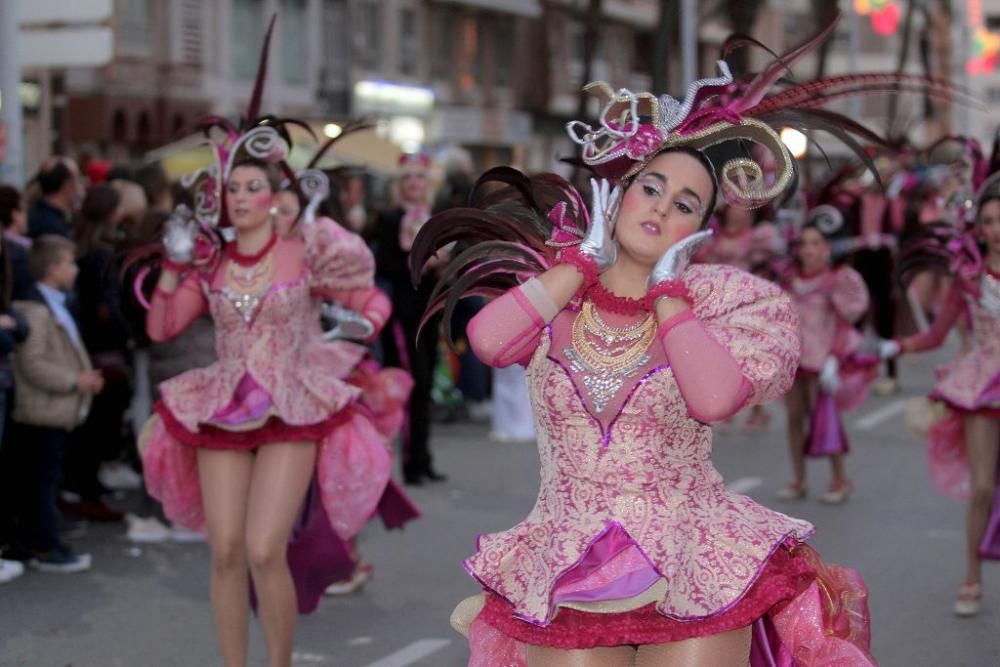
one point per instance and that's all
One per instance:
(299, 659)
(410, 654)
(882, 415)
(944, 534)
(744, 484)
(360, 641)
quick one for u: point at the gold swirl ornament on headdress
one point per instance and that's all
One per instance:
(622, 133)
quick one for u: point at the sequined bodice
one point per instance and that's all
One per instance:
(285, 311)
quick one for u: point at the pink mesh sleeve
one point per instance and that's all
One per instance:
(369, 301)
(754, 321)
(710, 380)
(849, 295)
(933, 337)
(507, 330)
(171, 312)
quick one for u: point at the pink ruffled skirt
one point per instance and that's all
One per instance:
(803, 612)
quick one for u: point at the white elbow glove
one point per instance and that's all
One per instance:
(829, 376)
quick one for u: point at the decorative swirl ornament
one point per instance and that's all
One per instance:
(828, 219)
(315, 186)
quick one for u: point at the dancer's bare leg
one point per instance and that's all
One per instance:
(797, 408)
(839, 469)
(614, 656)
(726, 649)
(281, 476)
(225, 485)
(982, 440)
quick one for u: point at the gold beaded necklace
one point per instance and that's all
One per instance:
(606, 355)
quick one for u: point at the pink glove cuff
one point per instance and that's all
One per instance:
(585, 264)
(673, 288)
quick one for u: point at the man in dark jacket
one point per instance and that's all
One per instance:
(62, 192)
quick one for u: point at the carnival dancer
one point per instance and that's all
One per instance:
(268, 438)
(384, 391)
(635, 551)
(832, 376)
(964, 442)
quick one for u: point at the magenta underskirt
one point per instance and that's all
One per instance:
(272, 431)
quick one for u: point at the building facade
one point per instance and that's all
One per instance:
(499, 78)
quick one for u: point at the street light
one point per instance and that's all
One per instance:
(332, 130)
(796, 142)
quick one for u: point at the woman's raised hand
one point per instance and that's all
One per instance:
(676, 258)
(598, 244)
(179, 236)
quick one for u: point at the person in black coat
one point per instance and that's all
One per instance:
(62, 191)
(394, 232)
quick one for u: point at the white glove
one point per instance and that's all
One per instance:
(348, 324)
(598, 243)
(676, 258)
(829, 376)
(888, 349)
(178, 236)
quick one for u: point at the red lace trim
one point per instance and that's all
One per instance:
(607, 300)
(249, 260)
(274, 430)
(785, 576)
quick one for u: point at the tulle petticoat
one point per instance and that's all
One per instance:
(803, 612)
(353, 466)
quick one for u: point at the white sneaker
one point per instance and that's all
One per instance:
(146, 531)
(480, 410)
(61, 562)
(362, 573)
(10, 570)
(182, 534)
(119, 477)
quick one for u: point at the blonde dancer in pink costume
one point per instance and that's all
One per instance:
(964, 443)
(831, 377)
(268, 451)
(635, 553)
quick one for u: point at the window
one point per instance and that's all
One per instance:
(294, 40)
(442, 62)
(369, 30)
(247, 29)
(470, 57)
(409, 44)
(503, 48)
(133, 32)
(190, 45)
(335, 43)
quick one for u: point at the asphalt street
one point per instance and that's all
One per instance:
(148, 606)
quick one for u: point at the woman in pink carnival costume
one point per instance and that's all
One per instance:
(635, 552)
(833, 376)
(384, 391)
(268, 450)
(964, 443)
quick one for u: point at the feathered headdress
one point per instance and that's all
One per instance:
(634, 127)
(255, 136)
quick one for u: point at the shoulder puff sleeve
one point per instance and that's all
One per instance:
(336, 258)
(849, 294)
(754, 320)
